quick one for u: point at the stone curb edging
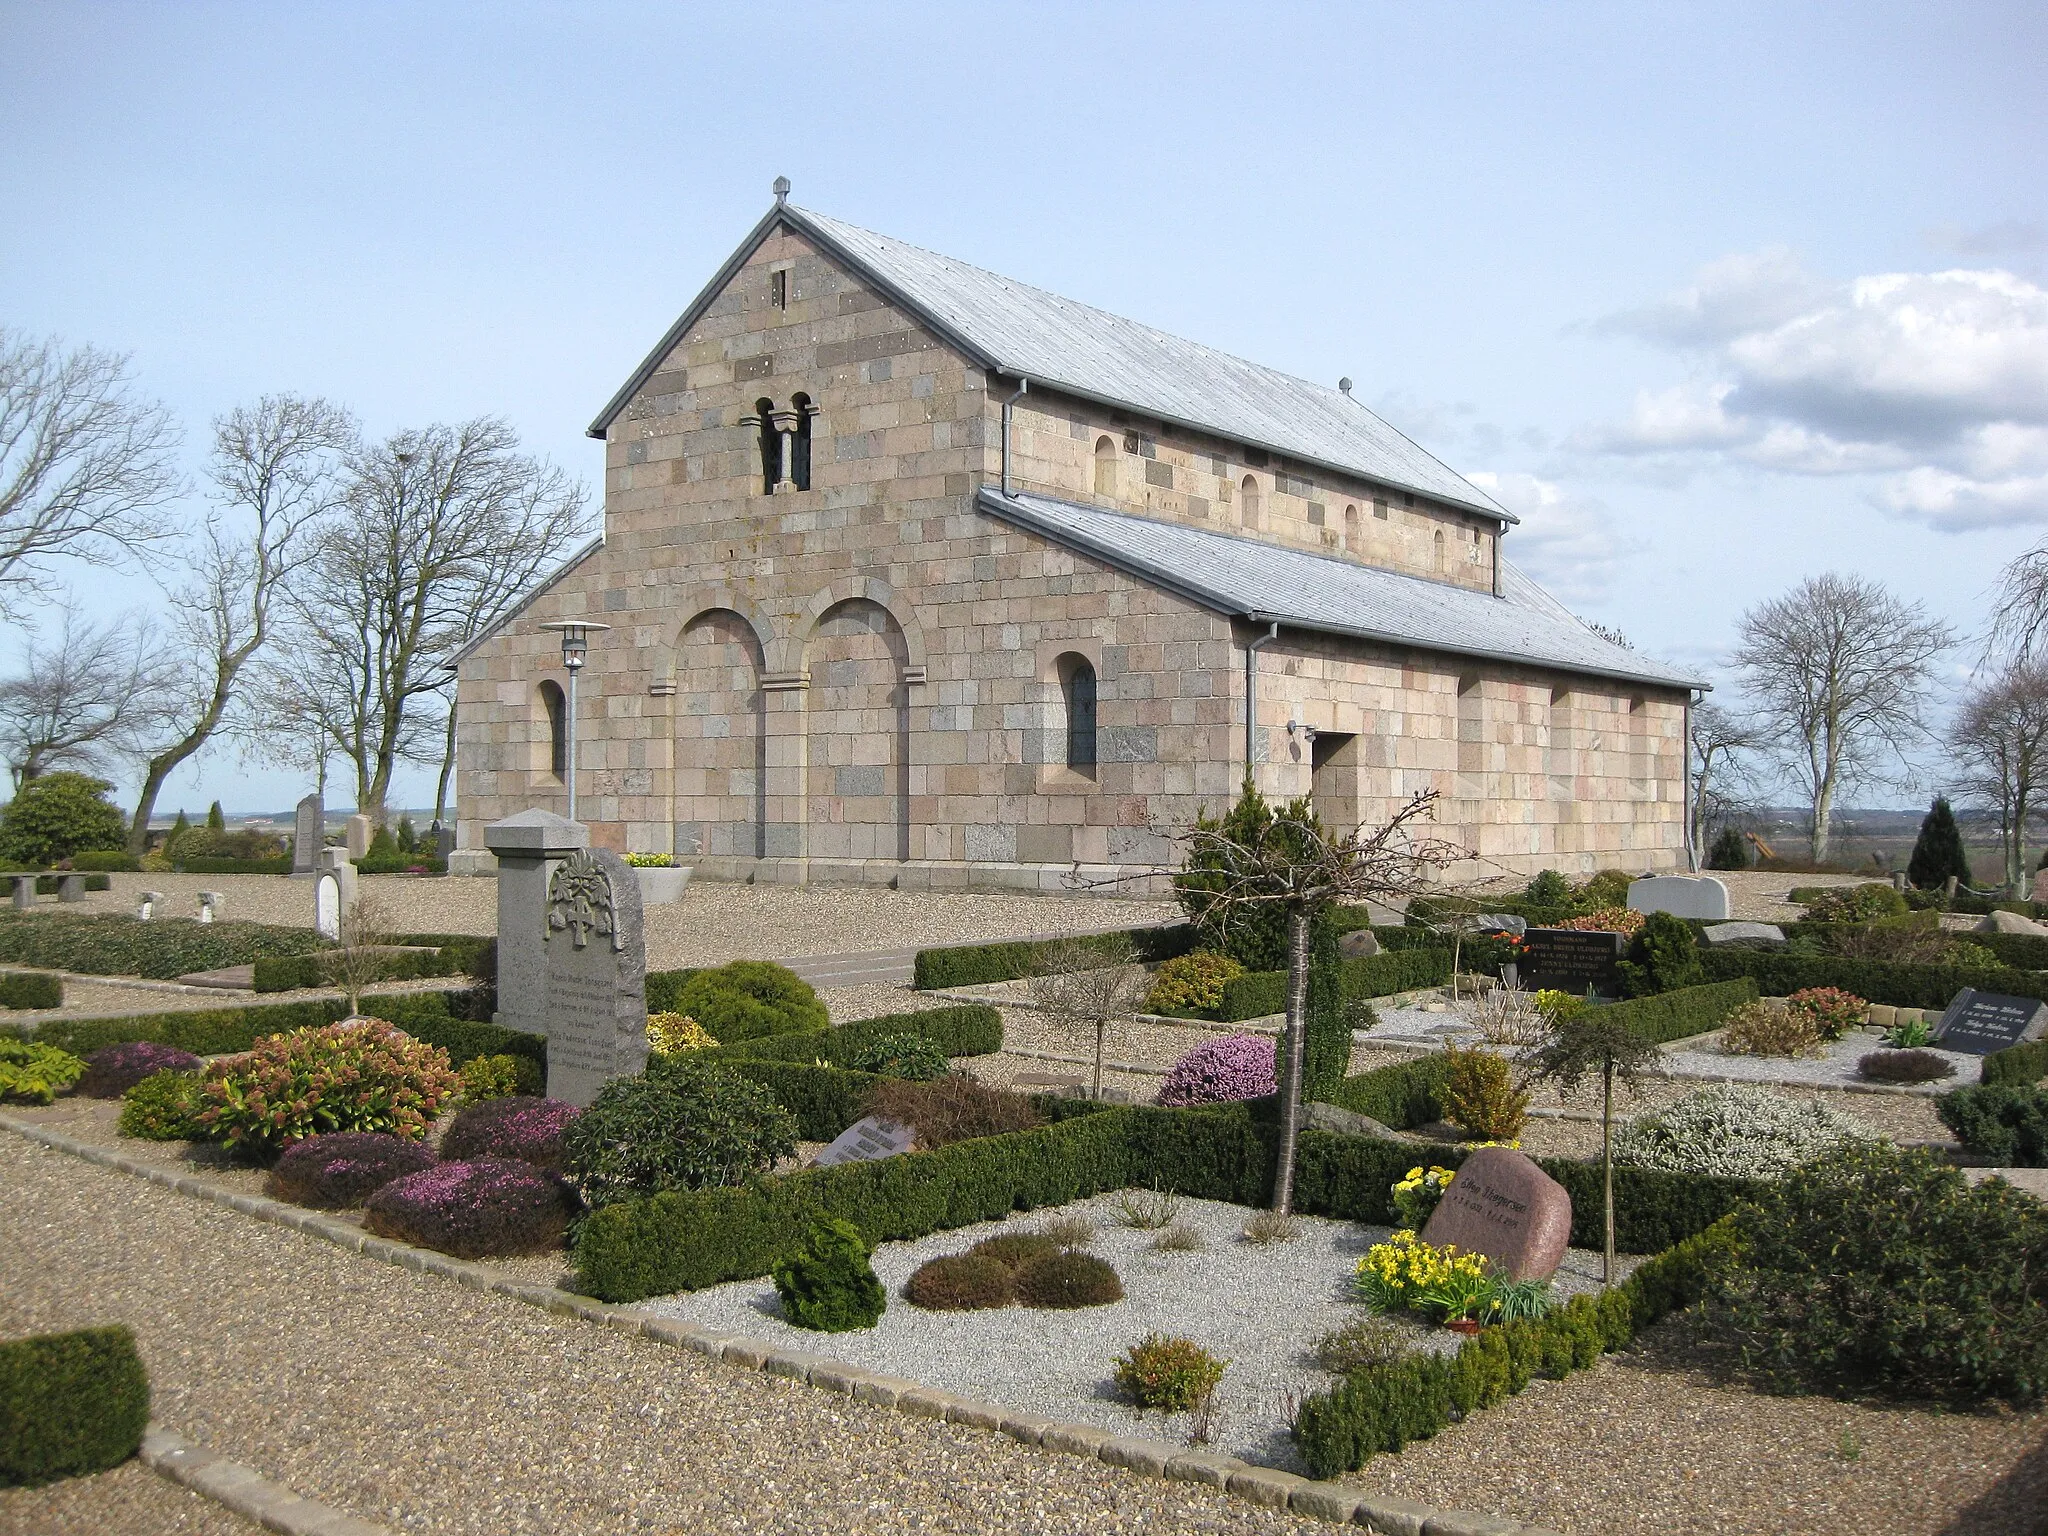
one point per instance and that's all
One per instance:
(1266, 1486)
(271, 1505)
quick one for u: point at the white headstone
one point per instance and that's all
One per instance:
(334, 892)
(211, 905)
(866, 1141)
(308, 831)
(146, 904)
(1696, 896)
(358, 837)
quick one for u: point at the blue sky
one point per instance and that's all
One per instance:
(1715, 296)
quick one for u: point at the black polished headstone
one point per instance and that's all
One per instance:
(1570, 960)
(1983, 1022)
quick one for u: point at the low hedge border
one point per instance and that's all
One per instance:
(114, 944)
(974, 965)
(1260, 993)
(2017, 1066)
(1778, 974)
(1668, 1016)
(289, 973)
(1147, 1457)
(31, 989)
(1384, 1407)
(70, 1403)
(972, 1029)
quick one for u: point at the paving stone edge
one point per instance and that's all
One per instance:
(1268, 1486)
(246, 1491)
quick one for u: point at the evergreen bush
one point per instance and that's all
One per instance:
(1191, 984)
(58, 815)
(490, 1207)
(1907, 1066)
(1478, 1095)
(828, 1283)
(1254, 934)
(684, 1124)
(1662, 957)
(164, 1107)
(499, 1077)
(1730, 850)
(1735, 1131)
(748, 999)
(916, 1057)
(31, 989)
(70, 1404)
(2007, 1124)
(1938, 854)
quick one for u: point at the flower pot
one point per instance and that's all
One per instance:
(659, 887)
(1463, 1325)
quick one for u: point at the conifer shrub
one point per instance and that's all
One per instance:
(916, 1057)
(828, 1283)
(70, 1404)
(952, 1108)
(34, 1073)
(531, 1130)
(164, 1107)
(1191, 984)
(112, 1070)
(1548, 889)
(961, 1282)
(1170, 1374)
(31, 989)
(1229, 1070)
(490, 1207)
(2006, 1123)
(1729, 851)
(683, 1124)
(1938, 854)
(1662, 957)
(1067, 1279)
(1479, 1097)
(365, 1075)
(748, 999)
(340, 1171)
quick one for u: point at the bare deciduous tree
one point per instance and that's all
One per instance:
(274, 478)
(1719, 738)
(2000, 742)
(82, 459)
(359, 960)
(81, 700)
(1089, 982)
(1839, 669)
(444, 530)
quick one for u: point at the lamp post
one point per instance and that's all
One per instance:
(576, 635)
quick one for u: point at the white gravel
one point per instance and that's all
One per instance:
(1261, 1307)
(1835, 1067)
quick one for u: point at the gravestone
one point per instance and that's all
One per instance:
(145, 904)
(2040, 889)
(334, 892)
(308, 830)
(71, 887)
(1500, 922)
(1570, 960)
(1983, 1022)
(24, 890)
(359, 832)
(867, 1141)
(1358, 944)
(526, 848)
(1696, 896)
(1745, 935)
(1502, 1205)
(211, 905)
(594, 981)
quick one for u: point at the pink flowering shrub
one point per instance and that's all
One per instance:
(112, 1070)
(341, 1170)
(517, 1126)
(475, 1210)
(1222, 1072)
(361, 1075)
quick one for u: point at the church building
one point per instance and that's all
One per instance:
(917, 575)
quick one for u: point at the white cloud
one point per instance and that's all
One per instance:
(1567, 542)
(1935, 382)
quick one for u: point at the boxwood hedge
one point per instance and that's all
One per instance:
(31, 989)
(970, 1030)
(113, 944)
(70, 1403)
(1259, 993)
(2017, 1066)
(973, 965)
(1779, 974)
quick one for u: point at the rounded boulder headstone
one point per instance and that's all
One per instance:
(1505, 1207)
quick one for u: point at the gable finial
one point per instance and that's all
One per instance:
(782, 189)
(1343, 386)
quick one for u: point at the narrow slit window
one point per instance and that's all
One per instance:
(1250, 491)
(1105, 466)
(771, 447)
(557, 709)
(778, 288)
(800, 443)
(1077, 683)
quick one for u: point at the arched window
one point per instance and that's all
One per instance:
(1351, 527)
(1437, 545)
(1105, 467)
(771, 447)
(557, 709)
(1077, 693)
(800, 445)
(1252, 509)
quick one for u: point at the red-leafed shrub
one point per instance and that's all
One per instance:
(342, 1170)
(114, 1069)
(521, 1127)
(359, 1075)
(482, 1209)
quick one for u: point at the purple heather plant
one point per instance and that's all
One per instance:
(344, 1168)
(1222, 1072)
(112, 1070)
(517, 1126)
(482, 1209)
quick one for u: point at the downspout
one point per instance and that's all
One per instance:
(1500, 532)
(1022, 386)
(1251, 685)
(1692, 853)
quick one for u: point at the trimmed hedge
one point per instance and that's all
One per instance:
(70, 1403)
(2021, 951)
(31, 989)
(282, 865)
(2017, 1066)
(1260, 993)
(973, 965)
(664, 987)
(969, 1030)
(1778, 974)
(825, 1100)
(1667, 1016)
(106, 859)
(47, 885)
(1383, 1407)
(112, 944)
(1402, 1095)
(287, 973)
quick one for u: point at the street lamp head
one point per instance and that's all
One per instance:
(576, 635)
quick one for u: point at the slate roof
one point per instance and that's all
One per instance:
(1025, 332)
(1263, 582)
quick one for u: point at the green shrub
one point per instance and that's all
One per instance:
(1938, 854)
(2021, 951)
(961, 1282)
(1172, 1375)
(285, 973)
(112, 944)
(969, 1030)
(750, 998)
(1662, 957)
(1879, 1269)
(1735, 1130)
(1479, 1096)
(1548, 889)
(1361, 1344)
(1730, 850)
(828, 1284)
(1191, 984)
(906, 1055)
(1401, 1096)
(163, 1108)
(1779, 973)
(2006, 1124)
(1854, 903)
(686, 1124)
(365, 1075)
(499, 1077)
(974, 965)
(2017, 1066)
(70, 1403)
(32, 1072)
(1066, 1280)
(1687, 1012)
(1259, 993)
(106, 860)
(57, 816)
(31, 989)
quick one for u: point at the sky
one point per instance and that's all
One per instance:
(1714, 297)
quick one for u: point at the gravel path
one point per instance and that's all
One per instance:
(403, 1398)
(1261, 1307)
(1835, 1067)
(130, 1500)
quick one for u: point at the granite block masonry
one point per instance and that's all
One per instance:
(595, 975)
(308, 834)
(527, 847)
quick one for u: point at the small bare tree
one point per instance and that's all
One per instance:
(365, 929)
(1090, 983)
(1839, 670)
(2000, 742)
(81, 700)
(83, 462)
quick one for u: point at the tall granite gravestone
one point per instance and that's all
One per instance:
(1983, 1022)
(1698, 896)
(359, 833)
(1502, 1205)
(527, 847)
(308, 835)
(1570, 960)
(595, 976)
(334, 892)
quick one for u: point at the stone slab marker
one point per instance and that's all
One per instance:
(867, 1141)
(359, 832)
(1502, 1205)
(308, 831)
(1697, 896)
(594, 985)
(334, 892)
(527, 848)
(1983, 1022)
